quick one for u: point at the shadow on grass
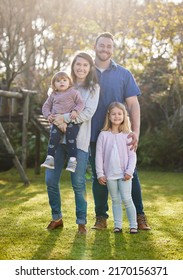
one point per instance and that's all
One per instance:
(120, 246)
(26, 207)
(15, 192)
(78, 249)
(45, 249)
(98, 252)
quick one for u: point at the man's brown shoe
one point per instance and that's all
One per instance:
(100, 224)
(142, 222)
(55, 224)
(82, 229)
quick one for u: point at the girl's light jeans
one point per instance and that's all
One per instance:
(120, 192)
(77, 180)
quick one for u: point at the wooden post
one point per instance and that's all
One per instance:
(4, 96)
(10, 94)
(13, 107)
(24, 129)
(15, 158)
(25, 95)
(37, 152)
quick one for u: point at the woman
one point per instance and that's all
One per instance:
(84, 78)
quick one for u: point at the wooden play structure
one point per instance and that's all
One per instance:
(13, 100)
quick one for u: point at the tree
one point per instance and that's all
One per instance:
(16, 36)
(39, 37)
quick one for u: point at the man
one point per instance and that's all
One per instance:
(116, 84)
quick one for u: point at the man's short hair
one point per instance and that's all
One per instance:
(106, 35)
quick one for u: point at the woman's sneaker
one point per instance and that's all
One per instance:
(71, 166)
(49, 162)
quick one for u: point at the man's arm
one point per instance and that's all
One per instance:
(133, 108)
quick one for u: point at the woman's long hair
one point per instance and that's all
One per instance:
(91, 79)
(125, 126)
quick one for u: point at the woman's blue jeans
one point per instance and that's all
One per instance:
(78, 183)
(100, 193)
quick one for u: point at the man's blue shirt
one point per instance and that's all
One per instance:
(116, 84)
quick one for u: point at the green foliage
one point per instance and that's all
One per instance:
(162, 148)
(162, 116)
(37, 42)
(31, 149)
(14, 133)
(25, 213)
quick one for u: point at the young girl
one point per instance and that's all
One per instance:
(115, 164)
(63, 99)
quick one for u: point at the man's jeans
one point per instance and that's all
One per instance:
(78, 184)
(120, 192)
(100, 192)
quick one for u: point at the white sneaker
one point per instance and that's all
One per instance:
(48, 163)
(71, 166)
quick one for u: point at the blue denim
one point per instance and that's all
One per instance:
(136, 193)
(78, 183)
(120, 192)
(56, 135)
(100, 193)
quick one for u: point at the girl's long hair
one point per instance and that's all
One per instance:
(91, 79)
(125, 126)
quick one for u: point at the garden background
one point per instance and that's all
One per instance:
(38, 38)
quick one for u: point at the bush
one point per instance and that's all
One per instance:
(162, 148)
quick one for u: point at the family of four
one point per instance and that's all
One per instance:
(95, 116)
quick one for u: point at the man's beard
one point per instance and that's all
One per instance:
(101, 58)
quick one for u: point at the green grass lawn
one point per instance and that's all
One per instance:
(25, 213)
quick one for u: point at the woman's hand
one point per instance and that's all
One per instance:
(62, 127)
(59, 119)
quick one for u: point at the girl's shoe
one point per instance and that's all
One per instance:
(117, 230)
(71, 166)
(133, 231)
(49, 162)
